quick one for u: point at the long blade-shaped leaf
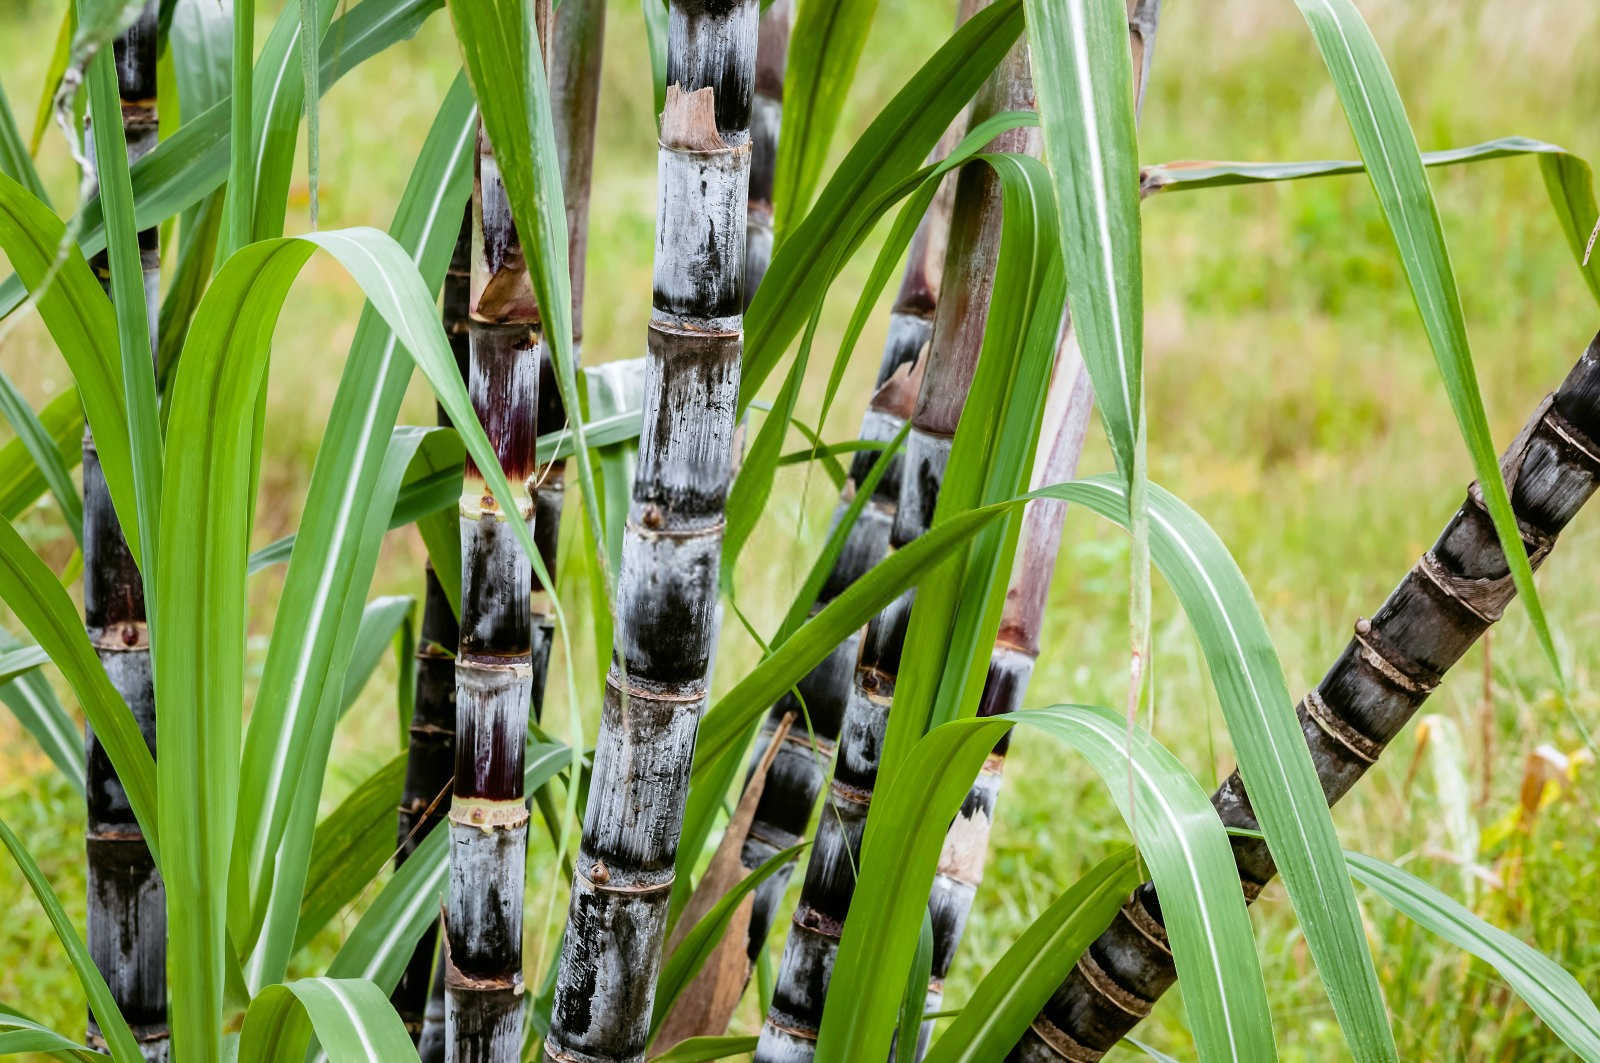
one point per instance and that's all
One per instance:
(352, 1019)
(1553, 994)
(22, 480)
(1378, 119)
(128, 300)
(1181, 839)
(351, 845)
(824, 49)
(42, 451)
(15, 160)
(309, 635)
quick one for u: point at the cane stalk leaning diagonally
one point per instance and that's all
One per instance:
(795, 777)
(766, 121)
(789, 1032)
(494, 669)
(1453, 595)
(1016, 647)
(431, 749)
(127, 904)
(667, 588)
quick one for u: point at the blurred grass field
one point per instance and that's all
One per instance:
(1293, 402)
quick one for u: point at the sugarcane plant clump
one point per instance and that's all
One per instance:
(617, 697)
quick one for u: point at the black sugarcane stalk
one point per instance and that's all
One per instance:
(484, 999)
(766, 121)
(794, 779)
(667, 588)
(127, 917)
(431, 750)
(1395, 660)
(1066, 421)
(789, 1033)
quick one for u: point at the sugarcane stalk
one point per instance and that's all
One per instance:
(766, 121)
(794, 779)
(656, 687)
(1066, 421)
(127, 918)
(790, 1030)
(494, 659)
(430, 751)
(1396, 659)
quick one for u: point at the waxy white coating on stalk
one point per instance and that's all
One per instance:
(667, 586)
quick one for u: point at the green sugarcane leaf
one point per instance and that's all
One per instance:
(705, 1049)
(32, 592)
(22, 479)
(44, 454)
(404, 644)
(352, 1019)
(914, 998)
(1014, 990)
(19, 661)
(1568, 180)
(309, 21)
(239, 200)
(15, 160)
(700, 942)
(957, 610)
(194, 161)
(824, 50)
(387, 934)
(381, 620)
(889, 150)
(324, 578)
(1180, 838)
(1083, 72)
(1553, 994)
(60, 55)
(34, 704)
(655, 35)
(84, 327)
(276, 119)
(19, 1034)
(352, 844)
(119, 1039)
(1273, 760)
(502, 58)
(1378, 120)
(128, 300)
(199, 41)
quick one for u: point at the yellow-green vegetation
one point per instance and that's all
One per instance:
(1293, 402)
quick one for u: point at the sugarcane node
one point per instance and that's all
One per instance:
(808, 918)
(1063, 1043)
(855, 795)
(1485, 599)
(792, 1030)
(1136, 915)
(689, 121)
(1577, 438)
(598, 874)
(1335, 728)
(1130, 1004)
(1406, 674)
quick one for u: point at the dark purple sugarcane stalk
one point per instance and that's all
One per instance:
(667, 588)
(1396, 659)
(766, 121)
(484, 999)
(127, 916)
(790, 1031)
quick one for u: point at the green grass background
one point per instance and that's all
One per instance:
(1293, 402)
